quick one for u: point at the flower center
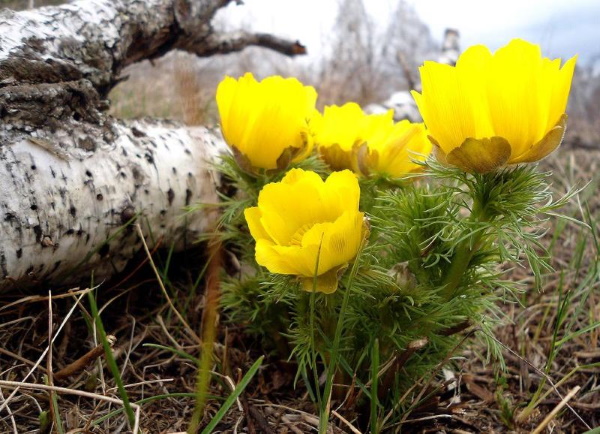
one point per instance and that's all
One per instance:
(296, 239)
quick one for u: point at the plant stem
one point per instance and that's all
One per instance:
(209, 332)
(465, 251)
(312, 344)
(332, 367)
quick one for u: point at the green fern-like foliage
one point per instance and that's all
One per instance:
(428, 277)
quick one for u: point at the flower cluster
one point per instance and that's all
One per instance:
(348, 258)
(488, 111)
(271, 123)
(303, 226)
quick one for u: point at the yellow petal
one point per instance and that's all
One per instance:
(341, 131)
(395, 154)
(279, 259)
(515, 106)
(335, 243)
(563, 80)
(446, 118)
(341, 192)
(336, 158)
(339, 125)
(253, 216)
(289, 205)
(342, 241)
(546, 146)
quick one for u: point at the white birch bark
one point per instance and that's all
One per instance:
(72, 177)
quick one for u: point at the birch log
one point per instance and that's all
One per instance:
(72, 178)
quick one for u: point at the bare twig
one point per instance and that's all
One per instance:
(223, 43)
(84, 361)
(10, 415)
(345, 422)
(49, 376)
(35, 298)
(20, 358)
(397, 364)
(555, 410)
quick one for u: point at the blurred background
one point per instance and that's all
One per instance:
(367, 52)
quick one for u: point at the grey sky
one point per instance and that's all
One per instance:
(562, 27)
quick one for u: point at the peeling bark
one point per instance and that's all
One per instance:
(72, 177)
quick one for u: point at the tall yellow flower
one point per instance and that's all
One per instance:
(495, 109)
(303, 219)
(266, 122)
(347, 138)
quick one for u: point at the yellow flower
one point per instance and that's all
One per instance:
(347, 138)
(302, 219)
(395, 150)
(340, 131)
(495, 109)
(266, 122)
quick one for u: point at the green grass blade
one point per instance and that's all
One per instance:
(374, 384)
(110, 360)
(150, 399)
(180, 353)
(324, 414)
(234, 395)
(579, 332)
(60, 429)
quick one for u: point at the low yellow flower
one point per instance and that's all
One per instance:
(266, 122)
(347, 138)
(302, 219)
(495, 109)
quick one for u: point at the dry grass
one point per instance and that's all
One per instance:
(177, 86)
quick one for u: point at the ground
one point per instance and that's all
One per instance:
(550, 341)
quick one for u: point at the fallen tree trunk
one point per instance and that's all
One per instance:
(73, 178)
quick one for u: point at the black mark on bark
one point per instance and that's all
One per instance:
(170, 196)
(188, 196)
(38, 232)
(104, 250)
